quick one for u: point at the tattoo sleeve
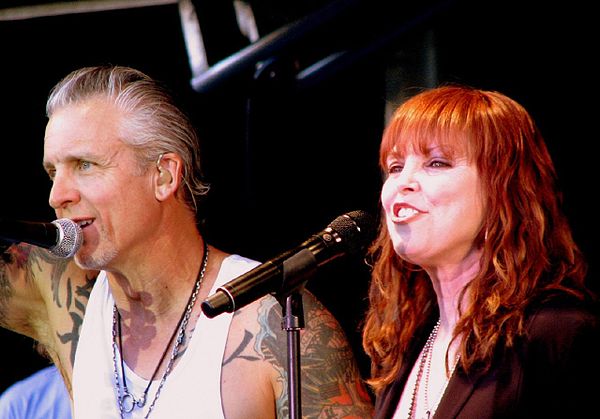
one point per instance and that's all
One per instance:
(5, 289)
(18, 257)
(67, 294)
(331, 385)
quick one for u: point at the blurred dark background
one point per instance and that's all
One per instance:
(290, 98)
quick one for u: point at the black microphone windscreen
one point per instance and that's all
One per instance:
(356, 229)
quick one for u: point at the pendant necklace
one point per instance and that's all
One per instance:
(126, 401)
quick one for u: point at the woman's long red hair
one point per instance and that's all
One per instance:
(527, 244)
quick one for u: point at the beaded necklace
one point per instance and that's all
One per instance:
(425, 367)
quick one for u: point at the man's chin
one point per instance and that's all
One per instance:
(87, 262)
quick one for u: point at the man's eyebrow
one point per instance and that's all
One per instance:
(67, 158)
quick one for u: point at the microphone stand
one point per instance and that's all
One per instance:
(293, 322)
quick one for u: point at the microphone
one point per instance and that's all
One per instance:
(62, 237)
(346, 235)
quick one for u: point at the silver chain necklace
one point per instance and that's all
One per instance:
(425, 364)
(125, 400)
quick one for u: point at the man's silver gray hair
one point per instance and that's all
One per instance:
(153, 125)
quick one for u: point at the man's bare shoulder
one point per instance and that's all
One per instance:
(331, 384)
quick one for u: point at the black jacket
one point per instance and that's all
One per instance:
(552, 372)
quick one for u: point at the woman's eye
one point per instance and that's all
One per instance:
(395, 168)
(438, 163)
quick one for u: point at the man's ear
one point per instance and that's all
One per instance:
(167, 177)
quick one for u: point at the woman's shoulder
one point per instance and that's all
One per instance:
(564, 318)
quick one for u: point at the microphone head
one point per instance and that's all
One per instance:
(69, 238)
(355, 228)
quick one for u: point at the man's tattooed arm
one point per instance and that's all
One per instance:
(44, 297)
(5, 290)
(331, 385)
(15, 287)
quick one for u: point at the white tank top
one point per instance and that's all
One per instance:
(191, 390)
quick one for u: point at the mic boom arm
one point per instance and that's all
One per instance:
(290, 271)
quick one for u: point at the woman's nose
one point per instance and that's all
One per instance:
(406, 180)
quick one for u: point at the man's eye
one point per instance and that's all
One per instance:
(84, 165)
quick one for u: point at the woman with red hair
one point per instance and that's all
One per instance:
(479, 306)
